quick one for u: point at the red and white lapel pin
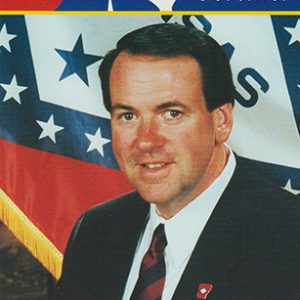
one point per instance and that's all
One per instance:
(203, 290)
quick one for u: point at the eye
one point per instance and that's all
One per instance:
(127, 116)
(172, 114)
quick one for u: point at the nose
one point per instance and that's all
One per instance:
(149, 137)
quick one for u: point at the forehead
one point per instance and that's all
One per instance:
(129, 69)
(127, 60)
(152, 80)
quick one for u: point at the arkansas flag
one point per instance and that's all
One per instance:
(56, 157)
(55, 142)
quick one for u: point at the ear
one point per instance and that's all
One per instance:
(223, 121)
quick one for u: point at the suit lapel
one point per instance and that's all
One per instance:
(218, 250)
(123, 244)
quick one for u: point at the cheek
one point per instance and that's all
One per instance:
(186, 146)
(117, 143)
(121, 144)
(196, 144)
(191, 149)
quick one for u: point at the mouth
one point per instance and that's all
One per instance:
(153, 172)
(154, 165)
(156, 169)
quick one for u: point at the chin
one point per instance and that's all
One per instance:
(155, 196)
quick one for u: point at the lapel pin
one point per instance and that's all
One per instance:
(203, 290)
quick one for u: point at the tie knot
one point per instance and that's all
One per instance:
(159, 240)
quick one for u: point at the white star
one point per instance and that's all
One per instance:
(163, 5)
(289, 188)
(97, 141)
(110, 6)
(5, 38)
(13, 90)
(294, 32)
(49, 129)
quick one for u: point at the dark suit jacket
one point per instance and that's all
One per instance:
(249, 249)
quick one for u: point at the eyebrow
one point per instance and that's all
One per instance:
(165, 105)
(171, 104)
(119, 106)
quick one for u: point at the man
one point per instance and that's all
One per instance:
(224, 231)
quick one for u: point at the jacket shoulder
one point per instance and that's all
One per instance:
(251, 180)
(115, 208)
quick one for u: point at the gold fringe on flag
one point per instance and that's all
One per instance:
(36, 242)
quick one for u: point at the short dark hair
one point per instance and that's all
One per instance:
(171, 40)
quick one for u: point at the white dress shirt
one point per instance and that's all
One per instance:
(182, 232)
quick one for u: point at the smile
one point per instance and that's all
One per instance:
(154, 166)
(156, 169)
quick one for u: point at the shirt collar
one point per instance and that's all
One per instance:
(183, 230)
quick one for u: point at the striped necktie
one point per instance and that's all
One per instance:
(151, 279)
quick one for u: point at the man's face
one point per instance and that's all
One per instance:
(164, 139)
